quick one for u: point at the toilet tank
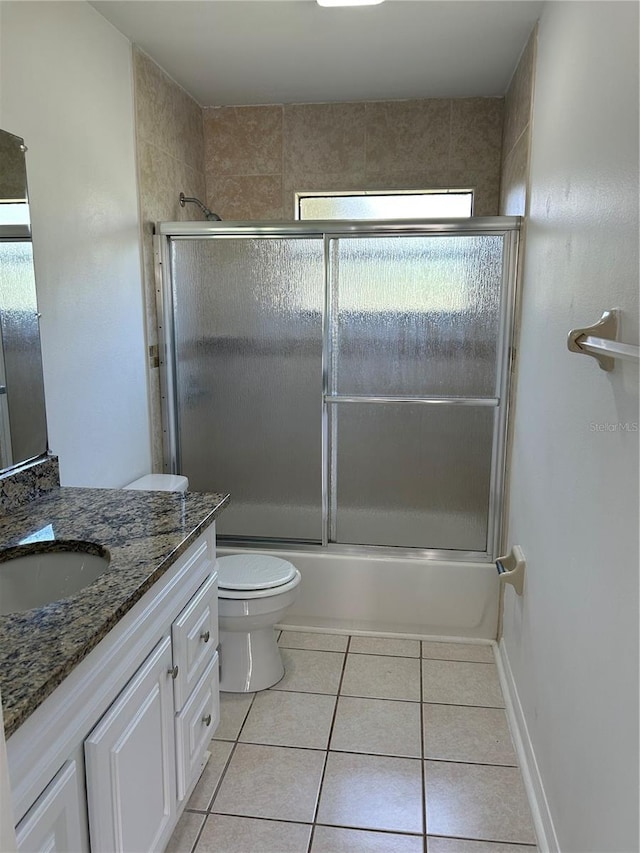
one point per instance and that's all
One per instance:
(160, 483)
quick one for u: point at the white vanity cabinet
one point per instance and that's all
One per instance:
(130, 764)
(138, 712)
(54, 822)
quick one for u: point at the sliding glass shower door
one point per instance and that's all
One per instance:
(415, 324)
(346, 382)
(247, 317)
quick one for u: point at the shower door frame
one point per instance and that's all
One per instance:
(507, 227)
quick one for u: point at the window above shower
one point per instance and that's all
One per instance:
(385, 204)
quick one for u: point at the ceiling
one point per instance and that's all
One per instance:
(294, 51)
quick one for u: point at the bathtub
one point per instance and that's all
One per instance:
(402, 596)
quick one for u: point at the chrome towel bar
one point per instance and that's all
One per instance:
(599, 341)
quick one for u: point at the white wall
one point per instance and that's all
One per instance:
(572, 640)
(67, 89)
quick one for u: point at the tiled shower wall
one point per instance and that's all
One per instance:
(258, 157)
(514, 185)
(517, 132)
(170, 150)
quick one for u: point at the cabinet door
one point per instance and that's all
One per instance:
(130, 763)
(52, 824)
(195, 726)
(195, 637)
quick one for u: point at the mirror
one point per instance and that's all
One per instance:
(23, 428)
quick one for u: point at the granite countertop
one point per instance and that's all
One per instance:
(144, 532)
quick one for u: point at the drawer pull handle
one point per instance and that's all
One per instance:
(205, 636)
(173, 672)
(207, 720)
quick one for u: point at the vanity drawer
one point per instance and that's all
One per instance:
(194, 636)
(195, 726)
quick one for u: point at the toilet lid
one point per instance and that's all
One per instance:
(253, 571)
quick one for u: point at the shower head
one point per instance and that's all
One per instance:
(212, 217)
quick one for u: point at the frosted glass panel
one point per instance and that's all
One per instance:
(416, 316)
(248, 316)
(412, 475)
(387, 206)
(23, 427)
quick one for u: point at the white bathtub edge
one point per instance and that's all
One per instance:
(356, 594)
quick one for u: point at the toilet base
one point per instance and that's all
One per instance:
(249, 660)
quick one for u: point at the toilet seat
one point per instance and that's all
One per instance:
(254, 576)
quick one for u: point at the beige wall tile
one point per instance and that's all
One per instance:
(343, 147)
(166, 115)
(411, 180)
(244, 140)
(189, 130)
(519, 96)
(245, 197)
(407, 136)
(322, 138)
(170, 153)
(476, 135)
(513, 186)
(154, 102)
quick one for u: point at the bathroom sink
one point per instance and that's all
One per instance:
(35, 575)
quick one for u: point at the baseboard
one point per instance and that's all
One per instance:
(390, 635)
(542, 821)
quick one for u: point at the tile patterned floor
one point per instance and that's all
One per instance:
(367, 745)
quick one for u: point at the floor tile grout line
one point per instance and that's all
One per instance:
(270, 819)
(422, 757)
(327, 750)
(484, 840)
(362, 828)
(370, 754)
(392, 699)
(404, 832)
(199, 833)
(357, 829)
(212, 798)
(326, 756)
(458, 660)
(218, 785)
(222, 775)
(244, 719)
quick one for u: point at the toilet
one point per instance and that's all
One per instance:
(254, 591)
